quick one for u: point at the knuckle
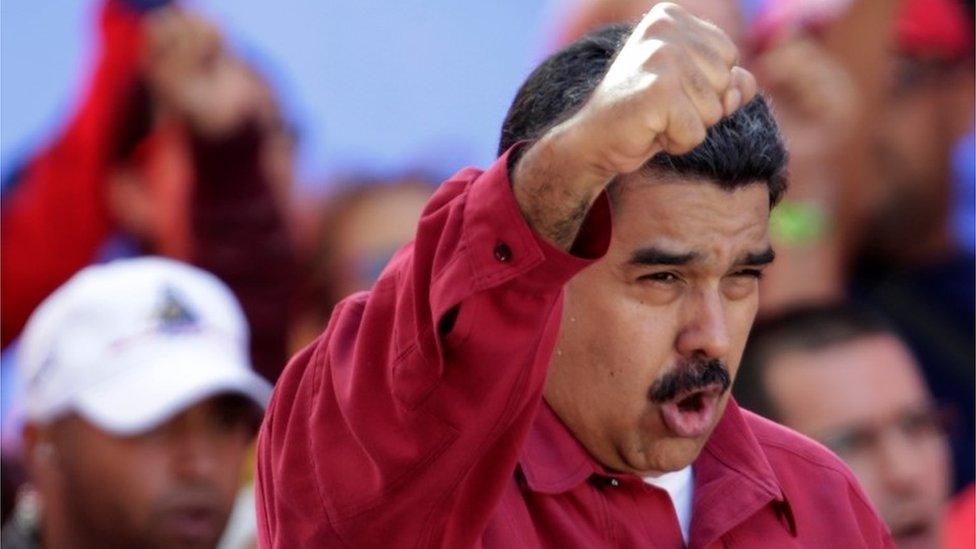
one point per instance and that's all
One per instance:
(665, 54)
(728, 50)
(670, 51)
(669, 8)
(697, 87)
(658, 25)
(723, 79)
(688, 130)
(712, 113)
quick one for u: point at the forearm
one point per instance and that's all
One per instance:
(555, 186)
(415, 401)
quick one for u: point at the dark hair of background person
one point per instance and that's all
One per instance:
(741, 149)
(801, 328)
(318, 289)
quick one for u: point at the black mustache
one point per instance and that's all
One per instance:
(691, 375)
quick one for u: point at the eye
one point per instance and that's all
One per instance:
(664, 277)
(748, 273)
(853, 442)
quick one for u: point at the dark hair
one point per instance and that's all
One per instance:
(318, 293)
(802, 328)
(743, 148)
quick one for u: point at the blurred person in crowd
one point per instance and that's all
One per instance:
(355, 232)
(930, 109)
(529, 373)
(910, 265)
(841, 375)
(857, 36)
(813, 99)
(141, 405)
(178, 149)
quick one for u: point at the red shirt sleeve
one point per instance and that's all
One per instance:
(402, 424)
(54, 217)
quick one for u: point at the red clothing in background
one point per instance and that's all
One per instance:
(55, 218)
(960, 521)
(416, 419)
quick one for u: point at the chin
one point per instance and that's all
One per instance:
(665, 455)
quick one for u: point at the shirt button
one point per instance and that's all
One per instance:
(614, 482)
(503, 253)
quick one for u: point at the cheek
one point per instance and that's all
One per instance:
(139, 476)
(612, 340)
(114, 486)
(739, 318)
(232, 455)
(866, 472)
(936, 474)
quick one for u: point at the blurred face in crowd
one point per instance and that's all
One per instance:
(360, 231)
(652, 334)
(173, 486)
(866, 400)
(929, 109)
(372, 230)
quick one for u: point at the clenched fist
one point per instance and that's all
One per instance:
(674, 78)
(193, 75)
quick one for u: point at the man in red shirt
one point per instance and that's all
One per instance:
(522, 376)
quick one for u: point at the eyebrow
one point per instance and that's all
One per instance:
(764, 257)
(657, 256)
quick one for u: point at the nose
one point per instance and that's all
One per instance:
(705, 330)
(899, 465)
(196, 455)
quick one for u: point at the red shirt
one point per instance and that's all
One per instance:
(416, 419)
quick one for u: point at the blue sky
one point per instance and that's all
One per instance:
(375, 86)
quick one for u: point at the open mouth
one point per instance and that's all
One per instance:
(691, 414)
(913, 533)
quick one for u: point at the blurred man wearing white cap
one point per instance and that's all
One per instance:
(141, 404)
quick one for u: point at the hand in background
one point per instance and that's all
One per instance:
(193, 76)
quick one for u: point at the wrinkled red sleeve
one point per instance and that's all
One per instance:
(402, 424)
(54, 217)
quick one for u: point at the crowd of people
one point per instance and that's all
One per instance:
(159, 267)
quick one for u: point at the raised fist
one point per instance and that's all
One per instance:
(193, 76)
(675, 76)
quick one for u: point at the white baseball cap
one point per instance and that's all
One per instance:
(129, 344)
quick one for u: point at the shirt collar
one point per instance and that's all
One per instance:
(733, 447)
(552, 460)
(732, 468)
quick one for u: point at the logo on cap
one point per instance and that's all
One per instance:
(173, 314)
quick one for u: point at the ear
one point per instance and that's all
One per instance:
(40, 454)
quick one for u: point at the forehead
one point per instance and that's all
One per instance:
(858, 381)
(690, 215)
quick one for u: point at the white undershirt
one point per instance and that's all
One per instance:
(680, 487)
